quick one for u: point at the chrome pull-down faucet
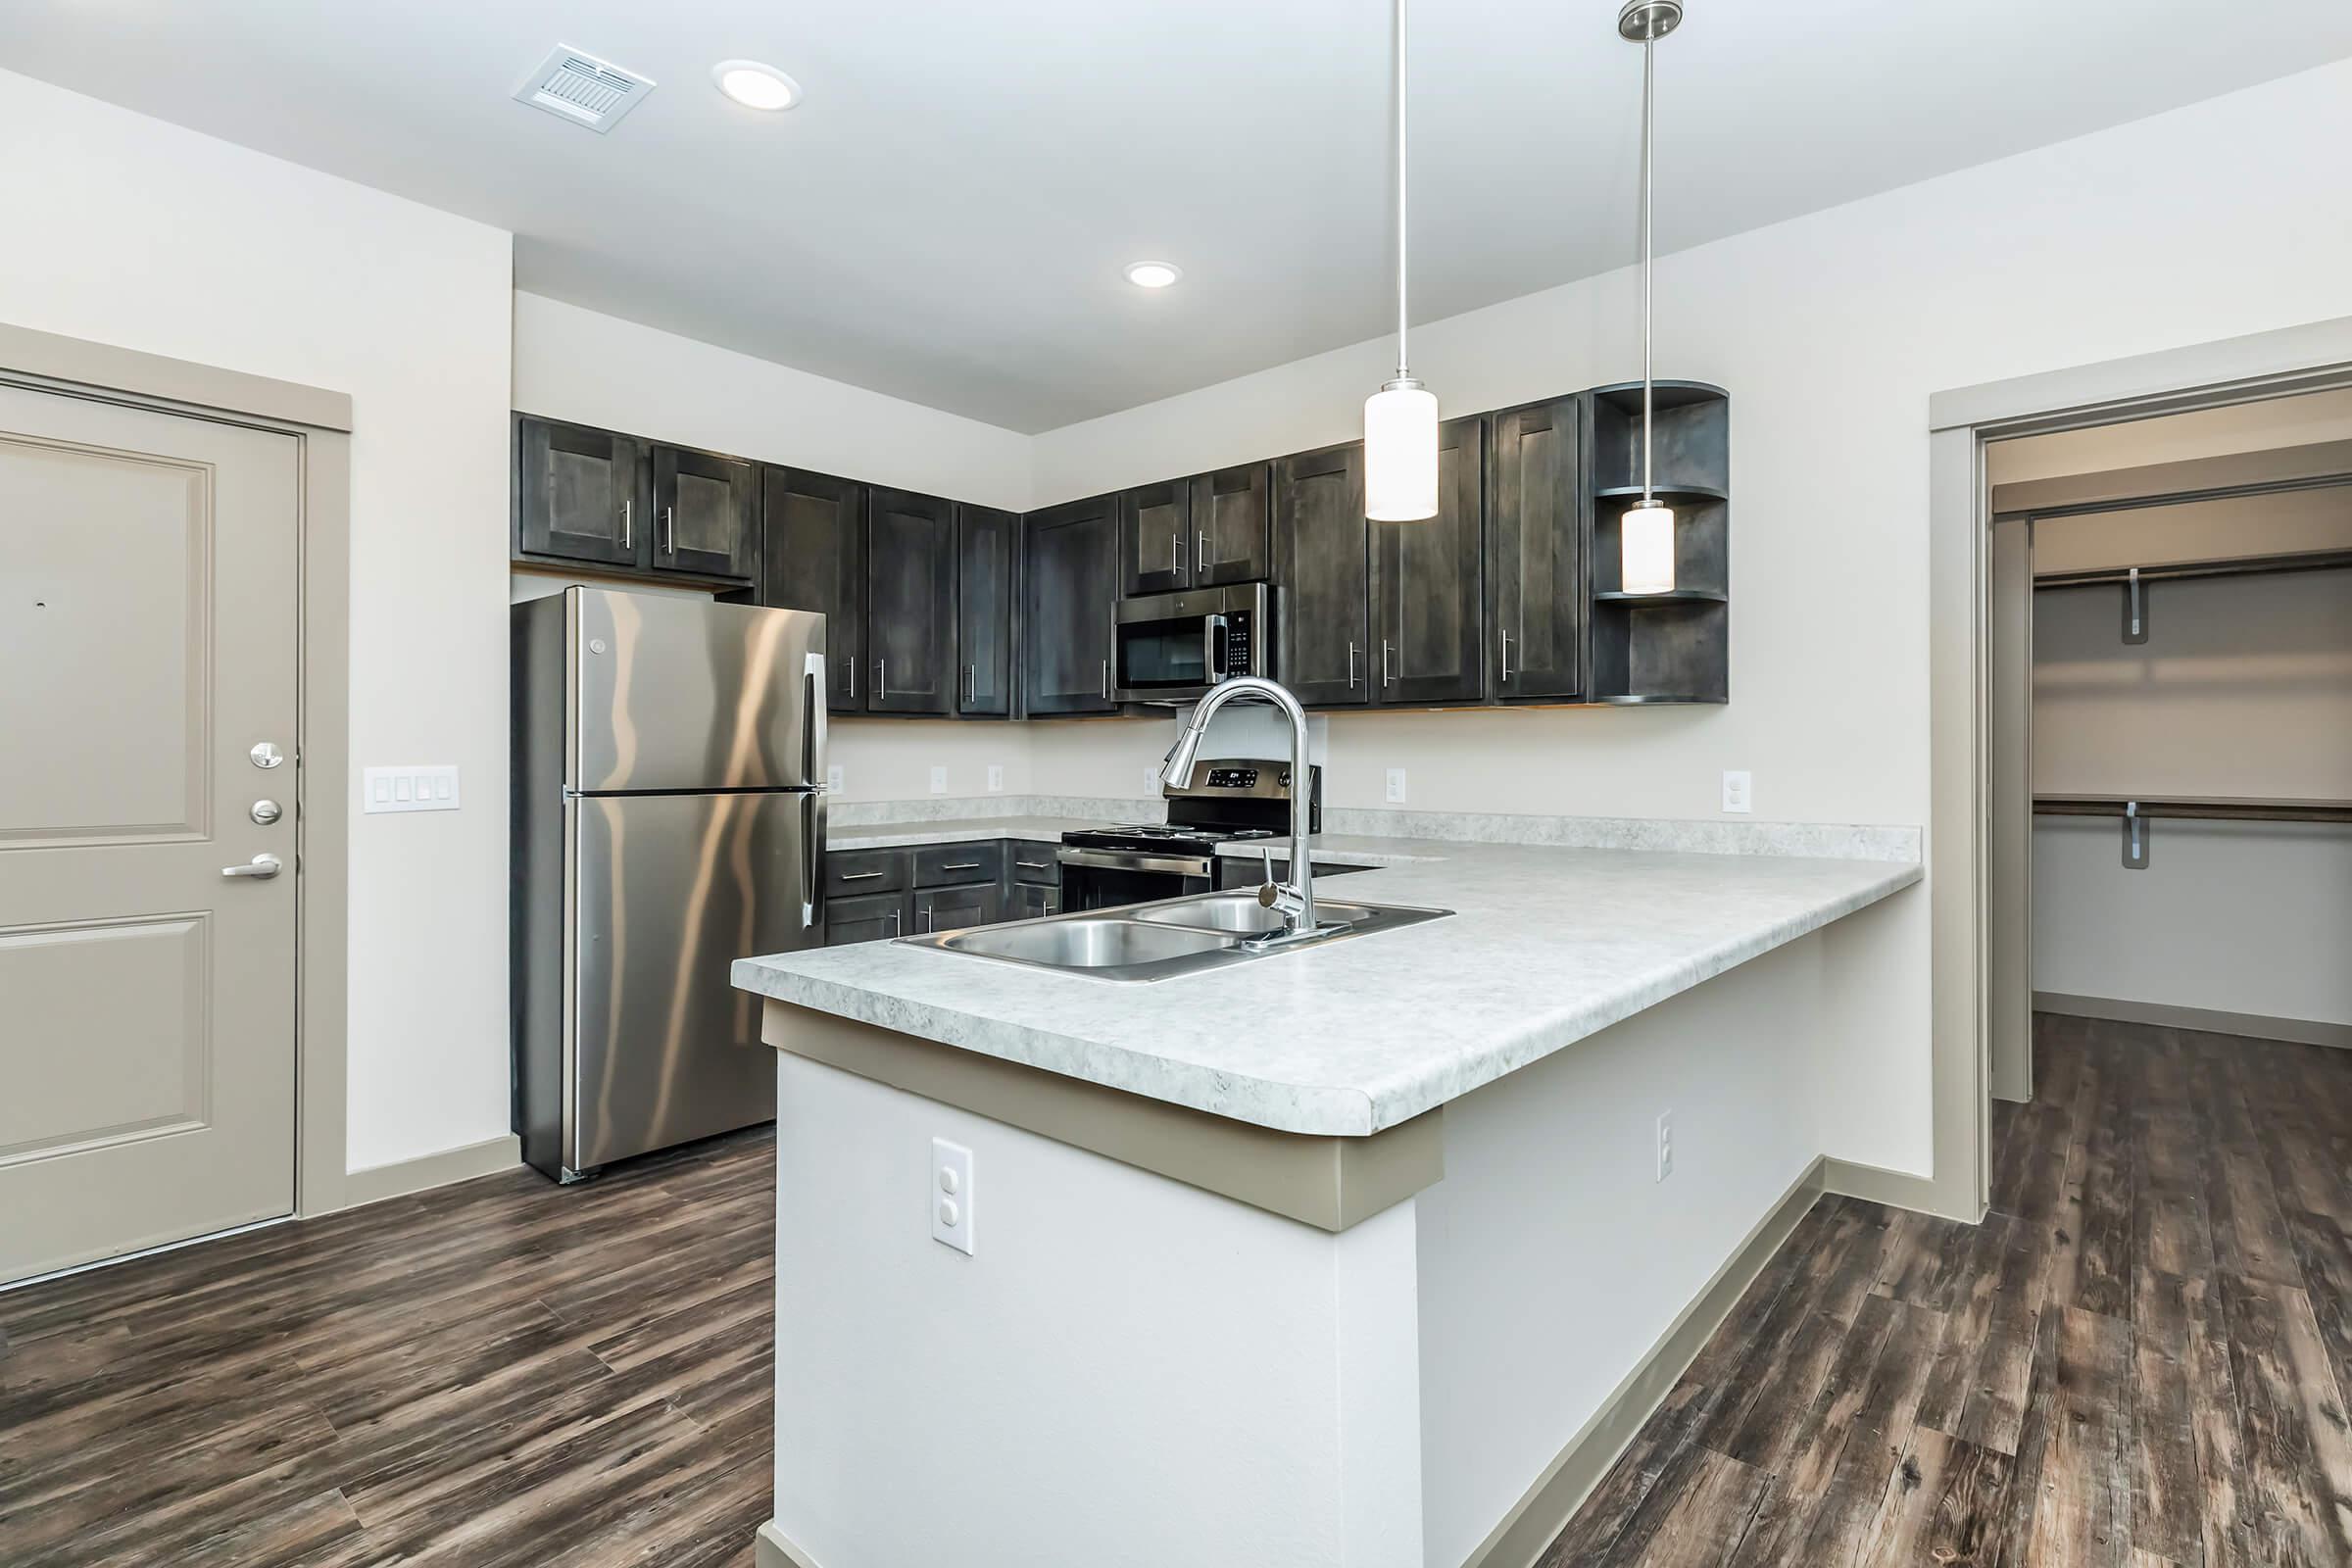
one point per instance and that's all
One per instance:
(1296, 899)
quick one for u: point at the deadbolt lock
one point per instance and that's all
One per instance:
(266, 755)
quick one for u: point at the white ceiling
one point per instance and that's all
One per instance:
(946, 217)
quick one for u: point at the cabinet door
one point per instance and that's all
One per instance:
(1155, 538)
(705, 514)
(813, 557)
(985, 542)
(869, 917)
(1535, 552)
(1428, 596)
(952, 909)
(580, 494)
(1031, 901)
(1319, 542)
(910, 604)
(1230, 510)
(1069, 578)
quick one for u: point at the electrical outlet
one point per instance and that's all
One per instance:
(833, 778)
(949, 1191)
(939, 781)
(1151, 779)
(1396, 785)
(995, 778)
(1665, 1143)
(1737, 791)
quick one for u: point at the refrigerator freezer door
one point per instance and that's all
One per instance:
(684, 694)
(672, 889)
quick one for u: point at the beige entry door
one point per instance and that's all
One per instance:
(148, 655)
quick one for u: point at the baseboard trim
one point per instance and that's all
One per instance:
(404, 1176)
(772, 1548)
(1539, 1516)
(1896, 1189)
(2211, 1020)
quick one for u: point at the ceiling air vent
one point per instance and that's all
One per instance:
(583, 90)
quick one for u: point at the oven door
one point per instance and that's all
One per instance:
(1172, 648)
(1106, 879)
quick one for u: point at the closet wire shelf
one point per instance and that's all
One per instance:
(2137, 810)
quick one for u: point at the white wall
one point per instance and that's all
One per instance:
(574, 363)
(1832, 331)
(130, 232)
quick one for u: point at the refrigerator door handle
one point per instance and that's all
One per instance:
(812, 740)
(812, 733)
(812, 855)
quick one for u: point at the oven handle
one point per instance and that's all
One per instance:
(1130, 861)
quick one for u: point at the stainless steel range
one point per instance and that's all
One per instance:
(1226, 800)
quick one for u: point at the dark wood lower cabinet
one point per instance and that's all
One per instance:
(874, 894)
(951, 909)
(1030, 901)
(868, 918)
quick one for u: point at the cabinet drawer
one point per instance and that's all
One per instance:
(1037, 865)
(860, 872)
(872, 918)
(940, 865)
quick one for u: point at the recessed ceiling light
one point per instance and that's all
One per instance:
(1152, 275)
(754, 86)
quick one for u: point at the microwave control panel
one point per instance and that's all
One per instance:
(1237, 632)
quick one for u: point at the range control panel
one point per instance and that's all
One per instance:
(1243, 778)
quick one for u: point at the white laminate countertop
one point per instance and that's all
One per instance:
(1547, 946)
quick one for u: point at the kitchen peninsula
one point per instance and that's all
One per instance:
(1369, 1253)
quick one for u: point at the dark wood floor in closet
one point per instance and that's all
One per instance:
(501, 1373)
(2140, 1359)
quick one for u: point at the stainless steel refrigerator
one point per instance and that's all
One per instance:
(668, 818)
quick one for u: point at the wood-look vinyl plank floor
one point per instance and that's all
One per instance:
(2140, 1359)
(503, 1372)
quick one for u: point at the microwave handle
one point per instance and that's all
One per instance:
(1212, 647)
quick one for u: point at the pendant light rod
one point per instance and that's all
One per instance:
(1403, 373)
(1649, 89)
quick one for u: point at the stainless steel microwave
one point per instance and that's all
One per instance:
(1172, 648)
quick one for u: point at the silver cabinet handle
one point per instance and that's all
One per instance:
(971, 683)
(897, 924)
(961, 865)
(1351, 667)
(848, 675)
(1107, 680)
(628, 523)
(261, 867)
(881, 680)
(1506, 655)
(1386, 678)
(1199, 550)
(860, 876)
(1175, 555)
(1034, 866)
(669, 532)
(925, 913)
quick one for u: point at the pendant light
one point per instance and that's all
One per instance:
(1401, 419)
(1645, 533)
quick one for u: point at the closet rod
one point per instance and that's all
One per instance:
(2212, 808)
(2235, 566)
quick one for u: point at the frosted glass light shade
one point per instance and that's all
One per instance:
(1647, 542)
(1400, 453)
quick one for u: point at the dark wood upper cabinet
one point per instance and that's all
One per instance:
(705, 514)
(1428, 598)
(581, 494)
(986, 544)
(1231, 508)
(909, 603)
(1155, 538)
(813, 557)
(1069, 581)
(1536, 532)
(1321, 619)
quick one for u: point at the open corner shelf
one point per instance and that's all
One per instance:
(1675, 647)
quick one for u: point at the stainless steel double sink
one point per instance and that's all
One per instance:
(1160, 941)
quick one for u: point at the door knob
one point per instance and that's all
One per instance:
(267, 812)
(261, 867)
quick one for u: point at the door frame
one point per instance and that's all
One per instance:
(319, 421)
(1962, 422)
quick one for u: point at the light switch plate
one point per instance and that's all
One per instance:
(939, 781)
(1396, 795)
(833, 778)
(950, 1192)
(995, 778)
(410, 789)
(1738, 790)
